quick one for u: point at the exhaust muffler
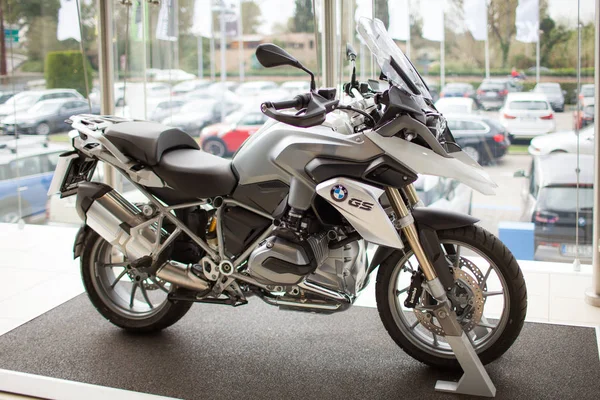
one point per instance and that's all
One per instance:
(117, 221)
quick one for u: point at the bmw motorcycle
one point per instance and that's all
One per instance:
(291, 218)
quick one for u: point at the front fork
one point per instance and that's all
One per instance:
(444, 309)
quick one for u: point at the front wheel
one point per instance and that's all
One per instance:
(489, 298)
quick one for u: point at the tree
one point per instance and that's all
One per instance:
(552, 36)
(251, 17)
(303, 19)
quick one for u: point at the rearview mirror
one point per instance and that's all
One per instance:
(350, 52)
(520, 174)
(270, 55)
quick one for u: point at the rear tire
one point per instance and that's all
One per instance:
(497, 252)
(474, 153)
(168, 313)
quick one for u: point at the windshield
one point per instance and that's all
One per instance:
(198, 106)
(22, 99)
(547, 89)
(387, 53)
(563, 198)
(45, 108)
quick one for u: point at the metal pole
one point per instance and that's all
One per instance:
(200, 58)
(329, 42)
(487, 58)
(442, 65)
(577, 262)
(537, 59)
(223, 66)
(592, 296)
(212, 56)
(408, 38)
(106, 70)
(241, 41)
(144, 56)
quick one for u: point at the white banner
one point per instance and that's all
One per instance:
(202, 24)
(475, 12)
(399, 12)
(364, 8)
(166, 26)
(68, 21)
(527, 21)
(433, 21)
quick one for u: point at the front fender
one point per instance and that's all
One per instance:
(426, 220)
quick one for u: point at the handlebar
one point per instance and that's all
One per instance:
(314, 107)
(299, 102)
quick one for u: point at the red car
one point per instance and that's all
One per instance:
(224, 139)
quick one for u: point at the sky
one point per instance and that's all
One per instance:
(279, 11)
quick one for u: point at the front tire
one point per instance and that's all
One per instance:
(110, 290)
(414, 340)
(42, 129)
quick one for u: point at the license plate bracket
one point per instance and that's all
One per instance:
(72, 169)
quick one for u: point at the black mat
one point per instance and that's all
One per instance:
(259, 352)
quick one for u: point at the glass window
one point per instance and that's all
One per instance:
(26, 167)
(528, 105)
(563, 198)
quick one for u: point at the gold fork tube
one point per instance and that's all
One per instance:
(411, 194)
(410, 231)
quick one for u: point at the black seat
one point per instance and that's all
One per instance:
(196, 173)
(147, 141)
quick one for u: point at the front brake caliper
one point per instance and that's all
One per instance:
(415, 290)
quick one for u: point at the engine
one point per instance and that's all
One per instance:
(297, 248)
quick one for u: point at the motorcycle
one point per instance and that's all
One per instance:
(289, 218)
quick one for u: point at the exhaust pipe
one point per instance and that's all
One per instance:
(181, 275)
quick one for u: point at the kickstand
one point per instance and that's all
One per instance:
(475, 380)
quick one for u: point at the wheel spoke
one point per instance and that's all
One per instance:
(399, 292)
(496, 293)
(145, 294)
(487, 275)
(121, 275)
(111, 265)
(133, 290)
(436, 343)
(486, 325)
(160, 285)
(457, 261)
(413, 326)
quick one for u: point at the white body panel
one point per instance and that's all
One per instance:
(424, 161)
(527, 121)
(370, 221)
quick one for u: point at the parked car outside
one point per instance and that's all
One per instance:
(584, 117)
(296, 87)
(164, 108)
(484, 139)
(444, 193)
(197, 114)
(587, 94)
(254, 88)
(29, 173)
(434, 89)
(549, 201)
(6, 95)
(46, 117)
(25, 100)
(224, 139)
(492, 92)
(554, 93)
(527, 115)
(169, 75)
(458, 90)
(563, 142)
(186, 87)
(458, 105)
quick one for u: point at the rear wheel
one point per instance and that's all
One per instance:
(128, 298)
(42, 129)
(214, 146)
(489, 297)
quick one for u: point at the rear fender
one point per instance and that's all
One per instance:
(428, 222)
(80, 239)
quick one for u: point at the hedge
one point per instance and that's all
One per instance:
(64, 69)
(566, 72)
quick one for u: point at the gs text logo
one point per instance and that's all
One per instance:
(363, 205)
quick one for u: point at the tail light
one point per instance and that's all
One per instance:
(580, 96)
(503, 92)
(551, 244)
(465, 94)
(547, 117)
(499, 138)
(545, 217)
(479, 91)
(506, 116)
(442, 94)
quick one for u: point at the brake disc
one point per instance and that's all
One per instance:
(469, 308)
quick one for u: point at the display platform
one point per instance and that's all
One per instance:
(259, 352)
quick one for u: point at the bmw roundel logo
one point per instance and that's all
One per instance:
(582, 221)
(339, 193)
